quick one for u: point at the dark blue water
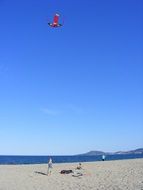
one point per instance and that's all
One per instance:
(61, 159)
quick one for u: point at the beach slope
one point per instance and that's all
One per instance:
(108, 175)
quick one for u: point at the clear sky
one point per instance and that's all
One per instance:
(72, 89)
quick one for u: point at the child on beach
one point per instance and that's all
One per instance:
(49, 166)
(79, 167)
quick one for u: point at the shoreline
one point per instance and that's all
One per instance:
(60, 163)
(28, 160)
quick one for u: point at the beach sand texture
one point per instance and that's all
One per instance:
(108, 175)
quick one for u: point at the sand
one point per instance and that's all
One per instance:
(108, 175)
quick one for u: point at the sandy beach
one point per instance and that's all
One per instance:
(108, 175)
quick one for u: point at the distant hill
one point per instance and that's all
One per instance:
(96, 153)
(137, 151)
(92, 153)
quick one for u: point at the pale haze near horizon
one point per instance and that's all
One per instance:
(72, 89)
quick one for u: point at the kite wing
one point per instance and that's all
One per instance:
(56, 19)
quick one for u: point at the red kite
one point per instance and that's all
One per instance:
(55, 21)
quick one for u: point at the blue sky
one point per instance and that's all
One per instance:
(72, 89)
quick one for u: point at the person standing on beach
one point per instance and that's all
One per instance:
(50, 166)
(103, 157)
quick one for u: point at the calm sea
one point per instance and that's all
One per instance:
(61, 159)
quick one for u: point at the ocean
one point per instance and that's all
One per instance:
(62, 159)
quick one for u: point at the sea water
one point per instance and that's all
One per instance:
(63, 159)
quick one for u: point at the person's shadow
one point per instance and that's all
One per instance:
(41, 173)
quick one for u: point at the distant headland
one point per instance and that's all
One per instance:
(95, 153)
